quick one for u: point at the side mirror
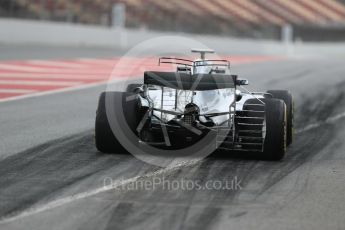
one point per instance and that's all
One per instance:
(242, 82)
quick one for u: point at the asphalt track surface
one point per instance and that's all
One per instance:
(52, 176)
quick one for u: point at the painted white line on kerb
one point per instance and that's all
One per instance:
(17, 91)
(19, 67)
(40, 83)
(30, 69)
(55, 76)
(93, 61)
(57, 64)
(79, 196)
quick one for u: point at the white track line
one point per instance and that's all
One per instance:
(57, 64)
(53, 83)
(55, 75)
(97, 61)
(17, 91)
(79, 196)
(20, 67)
(31, 69)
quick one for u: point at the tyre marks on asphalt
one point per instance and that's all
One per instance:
(201, 209)
(44, 172)
(178, 208)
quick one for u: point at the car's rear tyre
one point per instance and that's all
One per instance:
(276, 129)
(290, 107)
(105, 139)
(131, 87)
(273, 114)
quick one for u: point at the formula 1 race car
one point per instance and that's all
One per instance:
(173, 110)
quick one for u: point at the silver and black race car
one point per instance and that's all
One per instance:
(174, 110)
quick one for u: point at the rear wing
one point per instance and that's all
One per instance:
(176, 61)
(190, 63)
(186, 81)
